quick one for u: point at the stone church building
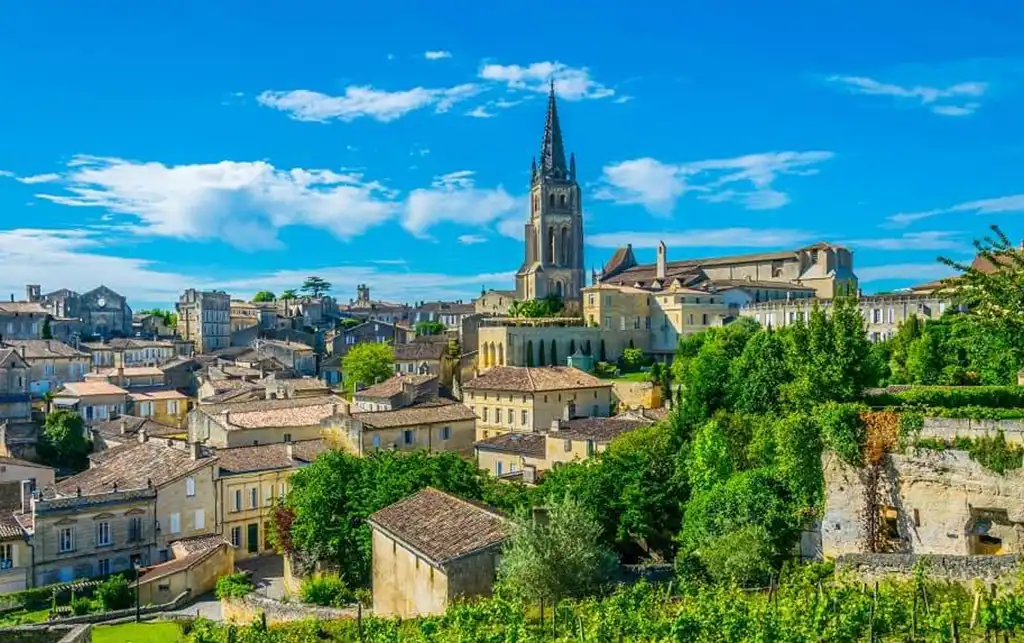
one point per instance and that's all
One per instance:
(554, 234)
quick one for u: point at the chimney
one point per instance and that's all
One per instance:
(556, 425)
(115, 487)
(227, 417)
(143, 435)
(290, 451)
(27, 487)
(124, 425)
(529, 474)
(661, 260)
(193, 450)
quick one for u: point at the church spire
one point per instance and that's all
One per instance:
(552, 152)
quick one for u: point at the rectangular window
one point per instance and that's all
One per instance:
(280, 490)
(407, 436)
(254, 497)
(175, 523)
(66, 538)
(511, 416)
(135, 529)
(607, 321)
(876, 315)
(892, 315)
(103, 567)
(636, 323)
(485, 414)
(268, 494)
(446, 432)
(238, 499)
(567, 445)
(287, 437)
(102, 534)
(236, 537)
(622, 323)
(522, 416)
(591, 447)
(6, 556)
(704, 319)
(172, 407)
(498, 468)
(200, 521)
(190, 486)
(376, 441)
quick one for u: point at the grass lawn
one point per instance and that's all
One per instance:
(632, 377)
(24, 618)
(155, 632)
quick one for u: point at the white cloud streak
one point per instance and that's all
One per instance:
(929, 240)
(437, 55)
(364, 102)
(571, 83)
(953, 100)
(455, 198)
(746, 180)
(471, 239)
(998, 205)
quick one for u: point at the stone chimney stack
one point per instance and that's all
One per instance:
(143, 435)
(124, 425)
(289, 449)
(662, 250)
(27, 488)
(556, 425)
(32, 292)
(193, 451)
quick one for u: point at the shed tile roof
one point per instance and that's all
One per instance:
(532, 379)
(433, 412)
(301, 411)
(23, 307)
(45, 348)
(393, 386)
(132, 371)
(79, 389)
(441, 526)
(132, 465)
(598, 429)
(269, 456)
(526, 444)
(421, 349)
(10, 528)
(132, 424)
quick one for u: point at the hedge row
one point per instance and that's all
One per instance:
(951, 397)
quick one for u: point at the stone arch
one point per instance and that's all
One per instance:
(490, 354)
(558, 289)
(501, 354)
(554, 353)
(572, 346)
(551, 199)
(551, 247)
(603, 355)
(540, 358)
(566, 251)
(586, 348)
(529, 352)
(561, 200)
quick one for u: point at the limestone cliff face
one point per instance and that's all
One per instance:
(931, 502)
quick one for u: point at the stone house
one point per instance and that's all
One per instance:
(15, 558)
(204, 318)
(397, 392)
(330, 371)
(21, 320)
(94, 401)
(369, 331)
(53, 363)
(298, 357)
(567, 440)
(363, 307)
(167, 407)
(129, 377)
(924, 502)
(550, 341)
(179, 474)
(125, 430)
(249, 481)
(262, 422)
(435, 425)
(130, 352)
(103, 312)
(16, 470)
(15, 373)
(431, 549)
(179, 373)
(196, 565)
(448, 313)
(150, 325)
(421, 356)
(522, 399)
(494, 302)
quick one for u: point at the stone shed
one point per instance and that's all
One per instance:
(432, 548)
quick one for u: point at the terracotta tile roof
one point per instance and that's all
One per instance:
(421, 349)
(10, 528)
(233, 385)
(121, 343)
(132, 371)
(393, 386)
(132, 423)
(304, 384)
(302, 411)
(79, 389)
(597, 429)
(525, 444)
(532, 379)
(45, 348)
(22, 307)
(198, 544)
(434, 412)
(248, 394)
(132, 466)
(441, 526)
(269, 456)
(723, 284)
(202, 548)
(287, 345)
(21, 463)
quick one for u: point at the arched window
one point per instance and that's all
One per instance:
(572, 346)
(586, 348)
(554, 353)
(501, 354)
(540, 358)
(561, 200)
(552, 247)
(565, 247)
(529, 352)
(551, 199)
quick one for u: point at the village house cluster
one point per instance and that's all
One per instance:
(197, 427)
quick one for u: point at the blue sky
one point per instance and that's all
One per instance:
(153, 147)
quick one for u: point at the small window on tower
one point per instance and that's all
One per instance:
(562, 201)
(551, 200)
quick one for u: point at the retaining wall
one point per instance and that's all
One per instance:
(997, 569)
(245, 610)
(949, 428)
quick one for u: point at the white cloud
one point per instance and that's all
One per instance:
(571, 83)
(454, 197)
(242, 203)
(470, 239)
(946, 101)
(658, 186)
(622, 99)
(480, 111)
(81, 260)
(919, 272)
(998, 205)
(929, 240)
(437, 55)
(706, 238)
(39, 178)
(7, 174)
(364, 101)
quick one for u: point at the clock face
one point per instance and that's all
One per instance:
(101, 302)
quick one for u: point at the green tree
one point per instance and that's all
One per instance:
(557, 554)
(264, 296)
(315, 286)
(710, 461)
(429, 328)
(757, 376)
(288, 295)
(743, 557)
(925, 359)
(63, 443)
(705, 380)
(908, 330)
(346, 323)
(368, 363)
(47, 332)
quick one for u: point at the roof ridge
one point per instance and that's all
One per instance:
(529, 376)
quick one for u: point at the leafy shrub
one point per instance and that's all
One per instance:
(633, 358)
(115, 593)
(975, 413)
(996, 454)
(954, 397)
(235, 585)
(81, 606)
(328, 590)
(364, 596)
(842, 430)
(604, 369)
(911, 423)
(743, 557)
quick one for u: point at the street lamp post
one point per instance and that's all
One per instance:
(138, 568)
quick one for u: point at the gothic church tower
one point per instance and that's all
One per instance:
(554, 234)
